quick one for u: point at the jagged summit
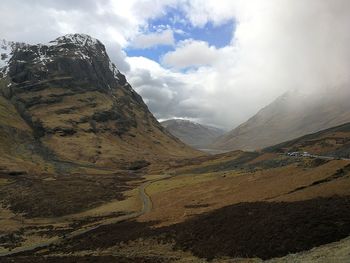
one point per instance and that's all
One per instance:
(70, 46)
(79, 55)
(77, 39)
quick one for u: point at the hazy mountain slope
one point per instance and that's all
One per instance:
(75, 102)
(194, 134)
(290, 116)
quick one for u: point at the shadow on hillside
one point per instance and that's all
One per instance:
(259, 229)
(264, 229)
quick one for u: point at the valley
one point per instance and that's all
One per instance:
(88, 174)
(161, 219)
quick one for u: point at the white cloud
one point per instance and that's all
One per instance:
(164, 37)
(200, 12)
(191, 53)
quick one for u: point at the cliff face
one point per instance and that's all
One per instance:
(77, 103)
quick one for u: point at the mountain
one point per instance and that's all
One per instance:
(197, 135)
(67, 100)
(292, 115)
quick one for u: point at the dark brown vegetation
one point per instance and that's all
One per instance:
(82, 259)
(64, 194)
(11, 240)
(258, 229)
(264, 229)
(107, 236)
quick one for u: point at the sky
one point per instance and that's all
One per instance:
(216, 62)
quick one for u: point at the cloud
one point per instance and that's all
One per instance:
(118, 56)
(161, 89)
(168, 94)
(191, 53)
(200, 12)
(165, 37)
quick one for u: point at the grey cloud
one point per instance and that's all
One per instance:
(166, 95)
(89, 5)
(118, 56)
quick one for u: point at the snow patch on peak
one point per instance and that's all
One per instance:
(77, 39)
(114, 69)
(6, 51)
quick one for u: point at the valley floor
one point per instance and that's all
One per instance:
(232, 207)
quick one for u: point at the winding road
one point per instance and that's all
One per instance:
(146, 208)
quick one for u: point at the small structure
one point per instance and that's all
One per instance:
(306, 154)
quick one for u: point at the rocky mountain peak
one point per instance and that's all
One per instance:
(81, 54)
(77, 39)
(77, 102)
(78, 56)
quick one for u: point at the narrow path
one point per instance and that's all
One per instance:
(146, 208)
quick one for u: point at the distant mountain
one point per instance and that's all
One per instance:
(197, 135)
(292, 115)
(66, 99)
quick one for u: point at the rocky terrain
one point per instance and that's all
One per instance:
(194, 134)
(294, 114)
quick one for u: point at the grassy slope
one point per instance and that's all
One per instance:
(102, 148)
(17, 144)
(333, 142)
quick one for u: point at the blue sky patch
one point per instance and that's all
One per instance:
(215, 35)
